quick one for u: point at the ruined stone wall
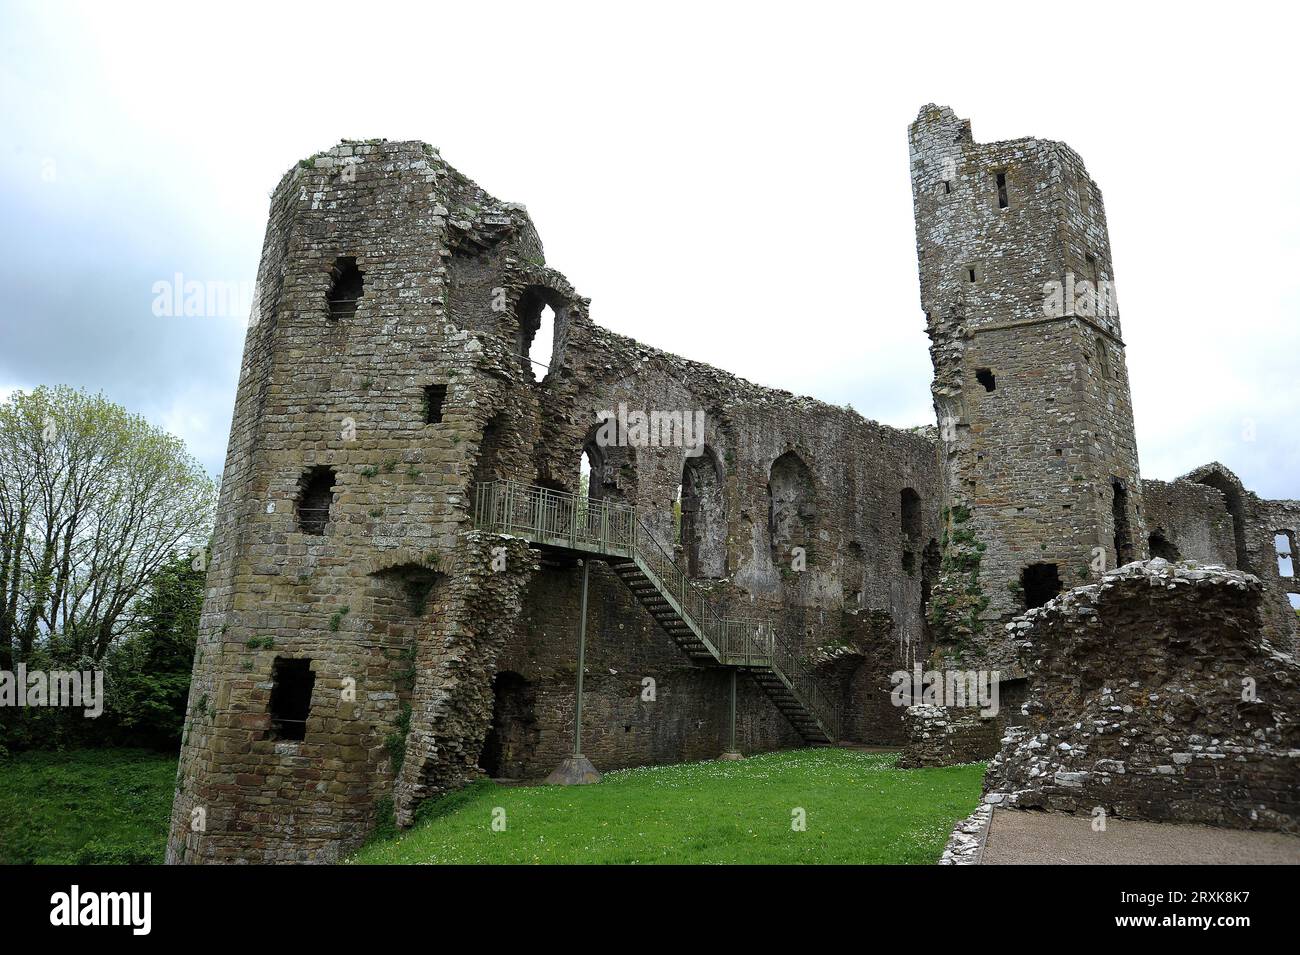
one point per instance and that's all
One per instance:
(849, 476)
(1157, 695)
(343, 392)
(1210, 517)
(1031, 394)
(681, 716)
(1189, 522)
(948, 736)
(1274, 518)
(405, 629)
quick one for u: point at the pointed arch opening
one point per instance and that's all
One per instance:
(703, 525)
(792, 507)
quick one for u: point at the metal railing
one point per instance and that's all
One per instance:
(576, 522)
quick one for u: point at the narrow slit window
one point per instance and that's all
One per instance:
(910, 513)
(292, 682)
(1103, 361)
(947, 187)
(986, 378)
(970, 274)
(1003, 203)
(434, 396)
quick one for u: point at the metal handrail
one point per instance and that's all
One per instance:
(578, 522)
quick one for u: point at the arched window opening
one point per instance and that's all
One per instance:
(1103, 361)
(584, 474)
(543, 344)
(611, 470)
(405, 591)
(1284, 544)
(538, 330)
(1232, 499)
(1161, 546)
(346, 287)
(703, 521)
(792, 511)
(315, 498)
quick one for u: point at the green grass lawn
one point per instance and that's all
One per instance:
(858, 809)
(85, 806)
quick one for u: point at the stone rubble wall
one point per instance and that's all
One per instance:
(948, 736)
(1211, 518)
(1156, 695)
(454, 663)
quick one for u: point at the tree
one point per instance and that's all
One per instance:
(94, 503)
(149, 670)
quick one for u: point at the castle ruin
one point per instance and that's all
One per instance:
(407, 538)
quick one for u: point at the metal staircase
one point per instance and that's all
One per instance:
(562, 521)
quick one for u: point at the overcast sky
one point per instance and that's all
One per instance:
(726, 182)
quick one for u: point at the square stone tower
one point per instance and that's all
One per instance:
(1030, 385)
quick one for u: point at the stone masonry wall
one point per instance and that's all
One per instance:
(948, 736)
(1192, 519)
(421, 657)
(1210, 517)
(386, 373)
(685, 720)
(1156, 695)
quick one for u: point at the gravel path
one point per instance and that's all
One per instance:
(1037, 838)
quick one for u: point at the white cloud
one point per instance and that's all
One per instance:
(729, 183)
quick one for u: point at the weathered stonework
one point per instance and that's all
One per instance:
(1032, 397)
(386, 377)
(390, 402)
(1156, 695)
(948, 736)
(1208, 516)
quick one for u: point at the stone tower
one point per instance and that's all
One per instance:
(1030, 385)
(384, 372)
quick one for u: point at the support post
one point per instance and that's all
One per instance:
(576, 770)
(732, 752)
(582, 660)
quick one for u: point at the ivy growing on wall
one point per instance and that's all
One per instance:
(957, 601)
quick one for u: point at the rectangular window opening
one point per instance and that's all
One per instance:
(434, 396)
(1040, 583)
(1003, 203)
(292, 684)
(315, 498)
